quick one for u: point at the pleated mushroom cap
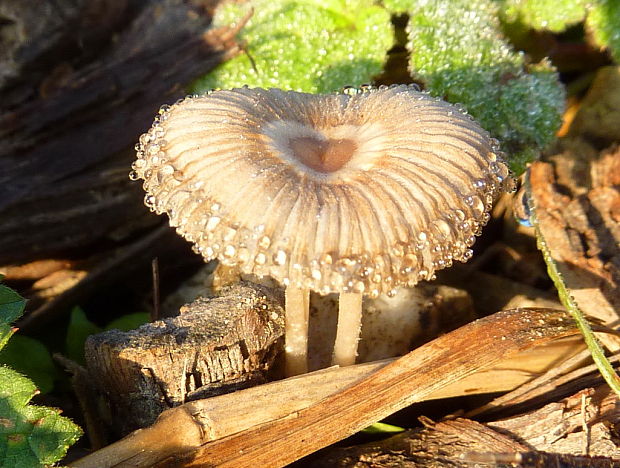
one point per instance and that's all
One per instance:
(354, 192)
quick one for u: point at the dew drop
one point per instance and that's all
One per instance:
(366, 272)
(521, 208)
(166, 170)
(279, 258)
(212, 223)
(229, 251)
(459, 214)
(398, 250)
(264, 242)
(444, 228)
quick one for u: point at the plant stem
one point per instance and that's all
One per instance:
(297, 307)
(348, 331)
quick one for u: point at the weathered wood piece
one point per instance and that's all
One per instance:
(576, 430)
(66, 140)
(411, 378)
(52, 33)
(214, 346)
(577, 202)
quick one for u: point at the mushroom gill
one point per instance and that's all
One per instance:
(353, 193)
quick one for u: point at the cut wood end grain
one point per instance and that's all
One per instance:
(214, 346)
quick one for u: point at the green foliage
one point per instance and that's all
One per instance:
(604, 22)
(11, 308)
(128, 322)
(459, 53)
(602, 18)
(79, 329)
(30, 357)
(30, 436)
(304, 45)
(552, 15)
(382, 428)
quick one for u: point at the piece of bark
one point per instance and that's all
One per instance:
(576, 430)
(578, 211)
(277, 442)
(214, 346)
(580, 424)
(52, 32)
(66, 155)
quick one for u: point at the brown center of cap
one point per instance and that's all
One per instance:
(323, 155)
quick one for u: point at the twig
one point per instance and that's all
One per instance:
(155, 314)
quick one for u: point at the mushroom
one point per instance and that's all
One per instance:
(356, 193)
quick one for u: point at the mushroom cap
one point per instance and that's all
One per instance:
(362, 191)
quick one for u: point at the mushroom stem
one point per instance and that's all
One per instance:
(297, 304)
(348, 331)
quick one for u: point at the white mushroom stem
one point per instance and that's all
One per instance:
(297, 308)
(348, 331)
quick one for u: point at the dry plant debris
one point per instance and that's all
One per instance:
(411, 378)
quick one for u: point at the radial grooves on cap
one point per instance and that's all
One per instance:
(417, 188)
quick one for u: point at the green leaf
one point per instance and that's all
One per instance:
(30, 436)
(11, 308)
(30, 357)
(129, 322)
(603, 21)
(382, 428)
(551, 15)
(459, 53)
(304, 45)
(79, 329)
